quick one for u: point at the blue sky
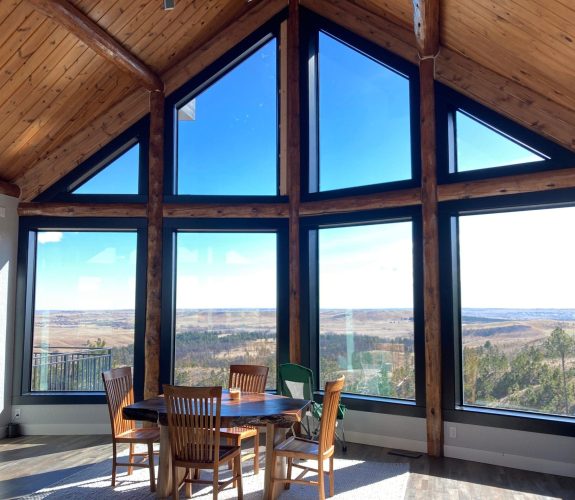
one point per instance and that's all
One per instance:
(230, 148)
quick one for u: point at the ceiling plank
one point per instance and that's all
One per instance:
(99, 40)
(426, 26)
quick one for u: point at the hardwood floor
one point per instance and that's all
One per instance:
(30, 463)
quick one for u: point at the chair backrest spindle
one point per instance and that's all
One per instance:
(119, 393)
(329, 414)
(248, 378)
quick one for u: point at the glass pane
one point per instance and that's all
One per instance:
(364, 119)
(366, 309)
(479, 146)
(84, 308)
(518, 310)
(119, 177)
(225, 305)
(227, 135)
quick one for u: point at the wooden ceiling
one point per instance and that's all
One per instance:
(60, 101)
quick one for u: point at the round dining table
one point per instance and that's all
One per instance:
(276, 413)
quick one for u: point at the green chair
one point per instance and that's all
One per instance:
(296, 381)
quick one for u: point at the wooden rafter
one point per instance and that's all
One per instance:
(100, 41)
(9, 189)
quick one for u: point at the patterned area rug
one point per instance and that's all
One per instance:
(353, 480)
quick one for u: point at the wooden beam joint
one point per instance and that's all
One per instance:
(426, 26)
(9, 189)
(99, 40)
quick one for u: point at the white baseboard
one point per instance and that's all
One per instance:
(64, 429)
(514, 461)
(386, 441)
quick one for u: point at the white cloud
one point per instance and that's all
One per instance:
(235, 258)
(50, 236)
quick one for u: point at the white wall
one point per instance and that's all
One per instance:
(8, 257)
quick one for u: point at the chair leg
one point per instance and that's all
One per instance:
(257, 452)
(175, 485)
(343, 441)
(215, 484)
(131, 459)
(331, 486)
(288, 476)
(238, 472)
(320, 479)
(151, 464)
(114, 464)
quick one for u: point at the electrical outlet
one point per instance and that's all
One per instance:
(17, 413)
(453, 432)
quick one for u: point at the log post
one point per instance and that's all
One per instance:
(154, 272)
(290, 42)
(426, 25)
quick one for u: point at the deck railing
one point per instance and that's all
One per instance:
(70, 371)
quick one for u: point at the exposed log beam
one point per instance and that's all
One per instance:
(403, 198)
(9, 189)
(255, 210)
(291, 122)
(101, 42)
(154, 273)
(426, 26)
(83, 209)
(512, 184)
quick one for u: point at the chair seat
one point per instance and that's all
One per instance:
(238, 432)
(143, 435)
(226, 454)
(305, 448)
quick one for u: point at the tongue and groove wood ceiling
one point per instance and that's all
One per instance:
(60, 101)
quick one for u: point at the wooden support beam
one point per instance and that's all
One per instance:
(251, 211)
(512, 184)
(83, 209)
(403, 198)
(291, 122)
(431, 283)
(9, 189)
(426, 26)
(100, 41)
(154, 273)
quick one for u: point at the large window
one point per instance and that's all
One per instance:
(84, 308)
(366, 308)
(518, 310)
(226, 305)
(364, 119)
(227, 134)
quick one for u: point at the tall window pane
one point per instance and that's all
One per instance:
(366, 308)
(364, 119)
(227, 135)
(518, 310)
(225, 305)
(84, 308)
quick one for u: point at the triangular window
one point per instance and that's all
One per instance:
(481, 146)
(118, 176)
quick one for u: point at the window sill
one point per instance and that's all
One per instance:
(373, 404)
(59, 398)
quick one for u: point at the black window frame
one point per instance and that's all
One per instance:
(453, 408)
(449, 102)
(204, 79)
(62, 190)
(26, 276)
(172, 227)
(309, 258)
(311, 25)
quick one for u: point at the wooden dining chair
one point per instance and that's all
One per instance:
(119, 393)
(306, 449)
(194, 430)
(248, 378)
